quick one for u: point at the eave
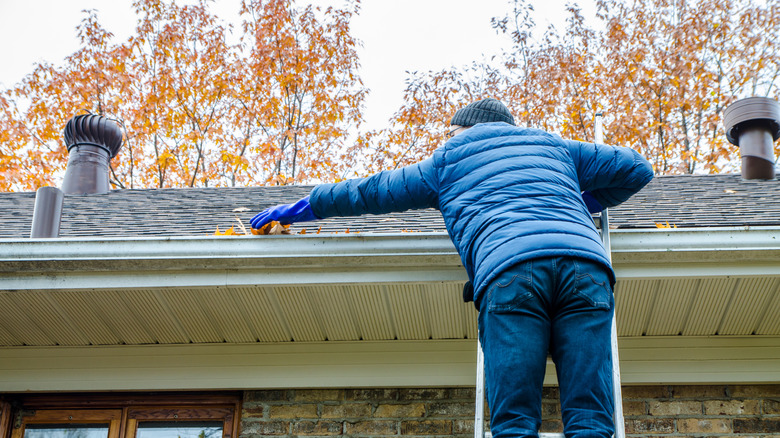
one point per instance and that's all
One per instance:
(713, 292)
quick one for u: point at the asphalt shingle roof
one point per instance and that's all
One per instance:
(684, 201)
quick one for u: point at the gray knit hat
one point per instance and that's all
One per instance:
(483, 111)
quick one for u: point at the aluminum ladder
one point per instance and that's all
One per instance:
(620, 432)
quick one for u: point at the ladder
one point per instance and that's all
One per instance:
(620, 431)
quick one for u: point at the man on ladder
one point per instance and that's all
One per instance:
(516, 203)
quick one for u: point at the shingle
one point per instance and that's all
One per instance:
(684, 201)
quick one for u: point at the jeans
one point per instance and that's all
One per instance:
(563, 306)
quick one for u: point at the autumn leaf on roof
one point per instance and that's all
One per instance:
(666, 225)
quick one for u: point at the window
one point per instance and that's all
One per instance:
(121, 416)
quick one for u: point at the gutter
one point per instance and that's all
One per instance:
(350, 258)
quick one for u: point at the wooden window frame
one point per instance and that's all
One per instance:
(112, 417)
(122, 411)
(182, 414)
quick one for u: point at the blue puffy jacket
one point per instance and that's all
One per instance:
(507, 194)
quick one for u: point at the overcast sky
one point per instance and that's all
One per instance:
(397, 35)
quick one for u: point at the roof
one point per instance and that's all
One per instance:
(684, 201)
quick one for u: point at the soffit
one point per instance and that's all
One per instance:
(355, 288)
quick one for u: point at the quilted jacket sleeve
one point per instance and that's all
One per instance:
(409, 187)
(611, 174)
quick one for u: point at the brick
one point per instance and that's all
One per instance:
(267, 395)
(634, 408)
(463, 427)
(732, 407)
(757, 425)
(400, 410)
(348, 410)
(550, 393)
(424, 394)
(376, 427)
(698, 391)
(650, 425)
(463, 393)
(450, 410)
(292, 411)
(252, 409)
(699, 425)
(551, 426)
(318, 428)
(426, 427)
(634, 392)
(551, 409)
(371, 394)
(264, 428)
(316, 395)
(666, 408)
(747, 391)
(771, 407)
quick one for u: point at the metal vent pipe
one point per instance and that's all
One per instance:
(753, 124)
(47, 213)
(92, 141)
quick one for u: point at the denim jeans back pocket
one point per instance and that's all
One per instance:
(508, 291)
(592, 284)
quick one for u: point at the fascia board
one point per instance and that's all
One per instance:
(72, 263)
(644, 360)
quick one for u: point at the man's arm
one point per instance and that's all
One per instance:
(414, 186)
(609, 174)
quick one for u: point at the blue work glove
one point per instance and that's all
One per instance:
(593, 205)
(285, 214)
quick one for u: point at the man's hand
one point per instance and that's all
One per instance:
(285, 214)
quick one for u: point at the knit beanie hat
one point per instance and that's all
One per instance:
(483, 111)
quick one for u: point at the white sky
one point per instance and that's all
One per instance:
(397, 36)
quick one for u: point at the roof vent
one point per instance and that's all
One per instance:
(92, 142)
(753, 124)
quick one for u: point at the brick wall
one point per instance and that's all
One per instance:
(669, 411)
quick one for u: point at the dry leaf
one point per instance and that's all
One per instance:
(272, 228)
(661, 225)
(229, 232)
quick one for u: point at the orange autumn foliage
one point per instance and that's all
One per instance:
(202, 104)
(662, 72)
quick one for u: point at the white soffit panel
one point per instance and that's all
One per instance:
(7, 338)
(196, 324)
(261, 314)
(49, 318)
(633, 301)
(298, 312)
(157, 316)
(409, 310)
(771, 321)
(374, 321)
(223, 311)
(127, 325)
(445, 310)
(671, 305)
(336, 313)
(18, 323)
(711, 301)
(748, 305)
(80, 309)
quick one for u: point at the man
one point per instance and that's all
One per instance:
(512, 199)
